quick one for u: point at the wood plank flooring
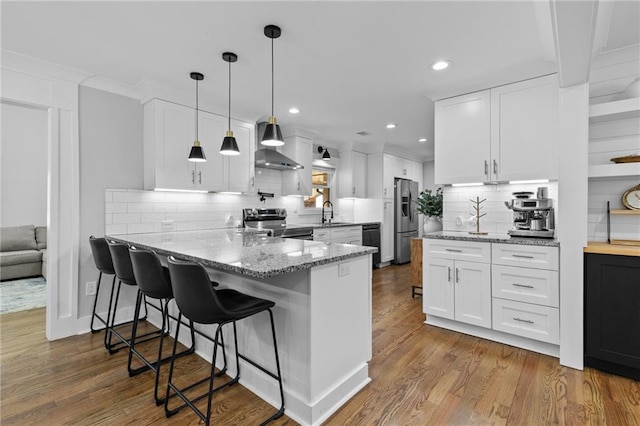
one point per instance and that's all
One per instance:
(421, 375)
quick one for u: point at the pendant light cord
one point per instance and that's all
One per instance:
(197, 111)
(272, 80)
(229, 95)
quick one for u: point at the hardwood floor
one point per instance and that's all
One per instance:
(421, 375)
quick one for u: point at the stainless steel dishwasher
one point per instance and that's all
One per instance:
(371, 238)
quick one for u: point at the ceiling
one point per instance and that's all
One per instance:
(348, 66)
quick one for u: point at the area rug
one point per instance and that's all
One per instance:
(21, 295)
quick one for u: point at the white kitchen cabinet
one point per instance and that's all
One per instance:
(524, 129)
(352, 175)
(298, 182)
(381, 176)
(169, 132)
(339, 234)
(387, 232)
(505, 133)
(462, 147)
(457, 289)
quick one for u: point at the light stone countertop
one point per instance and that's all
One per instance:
(246, 253)
(492, 238)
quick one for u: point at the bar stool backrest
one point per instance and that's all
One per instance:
(153, 280)
(194, 293)
(101, 255)
(122, 262)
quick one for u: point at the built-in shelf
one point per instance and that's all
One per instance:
(625, 212)
(616, 110)
(619, 170)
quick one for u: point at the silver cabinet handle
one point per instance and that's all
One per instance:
(521, 320)
(353, 191)
(193, 176)
(457, 276)
(199, 177)
(449, 273)
(495, 167)
(522, 256)
(522, 285)
(385, 191)
(253, 181)
(298, 185)
(486, 168)
(453, 250)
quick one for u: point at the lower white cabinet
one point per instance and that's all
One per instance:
(457, 289)
(510, 289)
(339, 234)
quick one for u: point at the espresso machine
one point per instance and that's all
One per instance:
(532, 217)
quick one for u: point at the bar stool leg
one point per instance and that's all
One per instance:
(280, 412)
(95, 303)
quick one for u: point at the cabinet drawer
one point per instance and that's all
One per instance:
(537, 286)
(461, 250)
(540, 257)
(346, 231)
(527, 320)
(321, 235)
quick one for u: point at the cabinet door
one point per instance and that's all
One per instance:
(174, 136)
(388, 175)
(386, 240)
(462, 138)
(241, 167)
(438, 287)
(298, 182)
(212, 175)
(612, 313)
(524, 128)
(472, 293)
(359, 171)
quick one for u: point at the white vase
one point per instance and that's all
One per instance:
(432, 224)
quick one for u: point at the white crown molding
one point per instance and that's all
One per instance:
(26, 64)
(101, 83)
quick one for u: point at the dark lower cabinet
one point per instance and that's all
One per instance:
(612, 314)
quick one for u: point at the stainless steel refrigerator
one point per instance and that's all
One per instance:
(406, 218)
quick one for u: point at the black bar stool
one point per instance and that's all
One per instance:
(154, 283)
(201, 303)
(104, 264)
(124, 272)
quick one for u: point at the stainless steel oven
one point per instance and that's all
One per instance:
(275, 222)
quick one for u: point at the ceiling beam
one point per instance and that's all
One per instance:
(574, 27)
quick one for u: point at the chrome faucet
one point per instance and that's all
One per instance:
(324, 204)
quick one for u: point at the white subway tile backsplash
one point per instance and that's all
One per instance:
(111, 207)
(140, 207)
(139, 228)
(127, 196)
(126, 218)
(115, 229)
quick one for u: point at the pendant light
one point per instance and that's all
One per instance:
(272, 133)
(229, 144)
(197, 154)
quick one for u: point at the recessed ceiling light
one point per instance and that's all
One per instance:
(391, 126)
(440, 65)
(422, 140)
(294, 110)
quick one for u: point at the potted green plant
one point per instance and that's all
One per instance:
(430, 205)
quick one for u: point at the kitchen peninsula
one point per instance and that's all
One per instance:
(322, 315)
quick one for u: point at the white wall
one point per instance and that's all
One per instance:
(110, 157)
(23, 153)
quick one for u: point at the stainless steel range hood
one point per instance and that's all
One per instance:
(268, 158)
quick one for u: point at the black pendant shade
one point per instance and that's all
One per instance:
(197, 153)
(272, 134)
(326, 155)
(229, 144)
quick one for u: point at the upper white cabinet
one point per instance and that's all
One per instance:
(169, 132)
(462, 148)
(352, 175)
(505, 133)
(298, 182)
(384, 168)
